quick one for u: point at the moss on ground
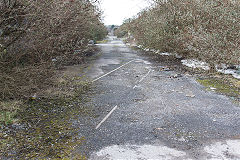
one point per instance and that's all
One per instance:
(44, 129)
(220, 86)
(103, 41)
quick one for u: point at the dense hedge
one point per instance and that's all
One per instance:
(205, 29)
(33, 32)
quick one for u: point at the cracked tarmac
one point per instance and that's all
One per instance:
(160, 114)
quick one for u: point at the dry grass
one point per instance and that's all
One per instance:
(23, 82)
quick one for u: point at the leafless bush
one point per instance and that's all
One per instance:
(32, 33)
(206, 29)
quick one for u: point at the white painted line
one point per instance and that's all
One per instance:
(107, 116)
(135, 86)
(145, 76)
(112, 71)
(142, 78)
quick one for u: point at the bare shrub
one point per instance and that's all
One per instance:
(206, 29)
(32, 33)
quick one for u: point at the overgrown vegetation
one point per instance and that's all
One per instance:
(36, 37)
(36, 34)
(208, 30)
(48, 127)
(123, 30)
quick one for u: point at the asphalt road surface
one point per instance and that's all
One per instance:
(147, 111)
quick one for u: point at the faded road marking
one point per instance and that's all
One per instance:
(143, 78)
(107, 116)
(135, 86)
(112, 71)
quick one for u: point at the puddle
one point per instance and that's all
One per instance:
(142, 61)
(96, 70)
(105, 62)
(111, 44)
